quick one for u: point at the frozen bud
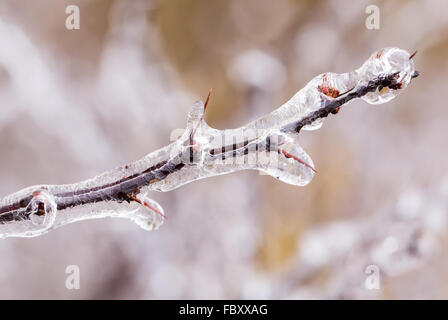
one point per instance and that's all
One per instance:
(383, 63)
(42, 209)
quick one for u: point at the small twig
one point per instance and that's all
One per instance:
(163, 170)
(202, 118)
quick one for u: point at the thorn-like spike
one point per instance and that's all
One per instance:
(202, 117)
(289, 155)
(144, 203)
(208, 98)
(413, 55)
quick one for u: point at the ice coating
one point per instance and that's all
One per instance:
(269, 144)
(43, 214)
(387, 61)
(383, 62)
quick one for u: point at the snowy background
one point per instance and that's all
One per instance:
(76, 103)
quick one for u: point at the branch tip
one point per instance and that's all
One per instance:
(208, 98)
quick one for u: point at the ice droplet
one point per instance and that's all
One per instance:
(36, 218)
(147, 218)
(42, 209)
(286, 168)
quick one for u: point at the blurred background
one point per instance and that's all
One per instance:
(75, 103)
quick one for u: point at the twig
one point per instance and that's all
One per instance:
(200, 153)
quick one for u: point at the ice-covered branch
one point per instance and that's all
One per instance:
(269, 144)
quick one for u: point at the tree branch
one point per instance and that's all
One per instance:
(201, 153)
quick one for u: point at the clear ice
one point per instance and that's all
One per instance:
(210, 152)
